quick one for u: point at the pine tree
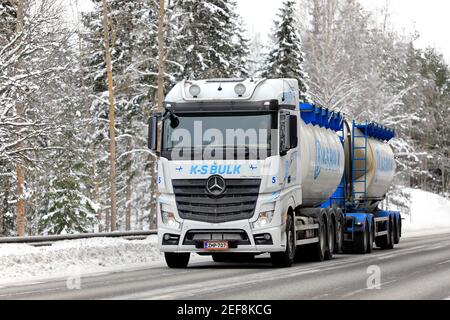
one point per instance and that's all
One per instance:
(258, 50)
(286, 59)
(210, 42)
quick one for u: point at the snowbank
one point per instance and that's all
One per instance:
(21, 262)
(428, 211)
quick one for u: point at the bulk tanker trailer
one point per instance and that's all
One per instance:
(245, 168)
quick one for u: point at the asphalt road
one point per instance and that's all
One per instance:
(419, 268)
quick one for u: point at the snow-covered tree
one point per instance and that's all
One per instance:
(29, 42)
(258, 50)
(210, 42)
(134, 58)
(286, 59)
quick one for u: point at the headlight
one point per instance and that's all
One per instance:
(168, 218)
(265, 218)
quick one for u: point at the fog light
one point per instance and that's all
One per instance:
(263, 239)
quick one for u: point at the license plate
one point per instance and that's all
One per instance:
(215, 245)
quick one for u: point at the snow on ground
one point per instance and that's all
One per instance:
(21, 262)
(429, 212)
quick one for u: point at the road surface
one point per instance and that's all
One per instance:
(419, 268)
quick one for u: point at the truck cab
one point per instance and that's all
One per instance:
(227, 169)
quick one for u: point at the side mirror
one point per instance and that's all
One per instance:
(288, 133)
(293, 133)
(153, 133)
(284, 134)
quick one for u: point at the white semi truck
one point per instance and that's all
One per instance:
(245, 169)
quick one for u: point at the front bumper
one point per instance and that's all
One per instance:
(251, 246)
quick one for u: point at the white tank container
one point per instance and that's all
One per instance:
(322, 163)
(380, 167)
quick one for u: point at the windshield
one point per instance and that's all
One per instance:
(218, 136)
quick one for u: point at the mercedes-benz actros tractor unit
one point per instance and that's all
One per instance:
(245, 168)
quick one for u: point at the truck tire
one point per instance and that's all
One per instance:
(370, 239)
(339, 241)
(331, 240)
(360, 242)
(397, 232)
(177, 260)
(386, 242)
(286, 259)
(319, 249)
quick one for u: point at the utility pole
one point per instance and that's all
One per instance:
(112, 133)
(20, 170)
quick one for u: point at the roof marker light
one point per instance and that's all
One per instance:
(194, 90)
(240, 89)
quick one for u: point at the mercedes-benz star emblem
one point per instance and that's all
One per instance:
(215, 185)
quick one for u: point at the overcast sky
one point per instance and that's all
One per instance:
(430, 18)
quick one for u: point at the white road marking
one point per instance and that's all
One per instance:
(366, 289)
(211, 286)
(387, 257)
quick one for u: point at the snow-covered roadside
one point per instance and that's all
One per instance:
(430, 214)
(21, 262)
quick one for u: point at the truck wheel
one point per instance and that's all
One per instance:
(285, 259)
(338, 244)
(320, 248)
(360, 243)
(397, 232)
(370, 240)
(391, 235)
(177, 260)
(330, 238)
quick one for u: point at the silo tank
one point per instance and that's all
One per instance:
(322, 163)
(380, 167)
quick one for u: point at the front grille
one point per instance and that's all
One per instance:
(237, 203)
